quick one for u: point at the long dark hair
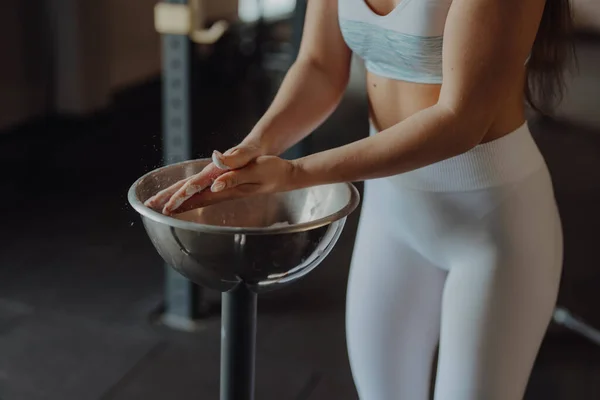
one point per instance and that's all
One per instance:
(551, 56)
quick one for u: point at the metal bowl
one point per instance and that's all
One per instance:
(265, 241)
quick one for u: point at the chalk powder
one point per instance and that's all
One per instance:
(199, 216)
(279, 224)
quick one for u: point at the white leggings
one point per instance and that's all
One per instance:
(466, 252)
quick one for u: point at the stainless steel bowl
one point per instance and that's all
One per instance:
(265, 241)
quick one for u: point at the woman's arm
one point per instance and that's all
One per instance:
(309, 93)
(485, 45)
(313, 86)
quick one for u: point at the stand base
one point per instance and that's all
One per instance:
(564, 318)
(179, 323)
(205, 315)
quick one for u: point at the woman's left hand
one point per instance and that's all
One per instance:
(265, 174)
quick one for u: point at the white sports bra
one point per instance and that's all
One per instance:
(405, 44)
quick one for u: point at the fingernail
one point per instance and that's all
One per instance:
(217, 186)
(216, 159)
(168, 209)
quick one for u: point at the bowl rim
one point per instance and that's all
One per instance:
(155, 216)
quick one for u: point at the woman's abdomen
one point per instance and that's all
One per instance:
(392, 101)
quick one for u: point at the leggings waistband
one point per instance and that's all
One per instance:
(502, 161)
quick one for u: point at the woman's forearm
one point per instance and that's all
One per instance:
(307, 96)
(429, 136)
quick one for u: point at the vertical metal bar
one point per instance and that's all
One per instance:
(238, 343)
(182, 297)
(176, 98)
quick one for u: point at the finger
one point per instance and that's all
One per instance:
(232, 179)
(195, 185)
(216, 159)
(237, 157)
(207, 198)
(160, 199)
(184, 193)
(206, 177)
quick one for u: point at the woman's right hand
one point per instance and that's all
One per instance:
(234, 158)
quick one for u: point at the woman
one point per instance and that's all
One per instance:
(459, 238)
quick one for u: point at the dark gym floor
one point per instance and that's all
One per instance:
(79, 278)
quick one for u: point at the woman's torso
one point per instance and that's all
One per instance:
(401, 44)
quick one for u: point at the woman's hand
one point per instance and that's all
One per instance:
(233, 158)
(240, 171)
(265, 174)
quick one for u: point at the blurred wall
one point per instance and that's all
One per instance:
(99, 47)
(69, 56)
(80, 55)
(134, 44)
(581, 102)
(24, 62)
(582, 98)
(587, 14)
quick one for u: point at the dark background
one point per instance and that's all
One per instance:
(80, 120)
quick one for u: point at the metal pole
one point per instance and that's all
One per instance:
(238, 343)
(182, 297)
